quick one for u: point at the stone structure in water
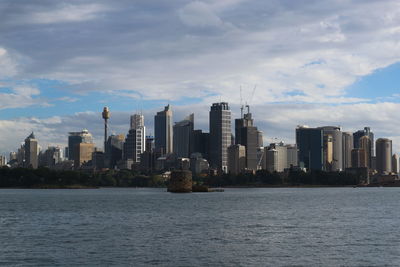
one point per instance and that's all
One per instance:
(181, 182)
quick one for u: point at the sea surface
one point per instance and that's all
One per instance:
(238, 227)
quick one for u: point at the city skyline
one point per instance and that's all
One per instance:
(311, 64)
(98, 139)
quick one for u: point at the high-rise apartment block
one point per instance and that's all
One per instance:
(220, 135)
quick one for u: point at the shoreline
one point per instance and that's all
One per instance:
(70, 187)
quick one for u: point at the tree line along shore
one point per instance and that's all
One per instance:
(48, 178)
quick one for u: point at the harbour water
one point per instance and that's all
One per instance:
(238, 227)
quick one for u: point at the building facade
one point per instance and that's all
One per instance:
(348, 146)
(83, 154)
(236, 159)
(365, 132)
(310, 143)
(333, 155)
(163, 132)
(384, 156)
(31, 149)
(220, 135)
(247, 134)
(135, 142)
(76, 138)
(183, 132)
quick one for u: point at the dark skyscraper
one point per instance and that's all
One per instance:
(183, 131)
(220, 135)
(199, 143)
(114, 150)
(310, 143)
(163, 132)
(248, 135)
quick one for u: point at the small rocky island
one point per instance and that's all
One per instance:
(181, 182)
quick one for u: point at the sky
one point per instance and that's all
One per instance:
(316, 63)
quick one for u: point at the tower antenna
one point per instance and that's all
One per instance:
(106, 116)
(241, 102)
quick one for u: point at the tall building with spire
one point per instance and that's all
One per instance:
(220, 135)
(163, 132)
(31, 152)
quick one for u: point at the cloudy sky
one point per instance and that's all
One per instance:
(313, 62)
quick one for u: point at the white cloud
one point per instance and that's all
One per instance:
(67, 13)
(8, 65)
(306, 52)
(199, 14)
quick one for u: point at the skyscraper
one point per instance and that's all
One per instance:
(183, 131)
(384, 155)
(163, 132)
(395, 163)
(200, 143)
(31, 152)
(76, 138)
(3, 161)
(247, 134)
(348, 146)
(332, 148)
(276, 157)
(236, 159)
(83, 154)
(358, 158)
(220, 135)
(271, 160)
(366, 145)
(135, 142)
(115, 144)
(360, 133)
(51, 156)
(310, 143)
